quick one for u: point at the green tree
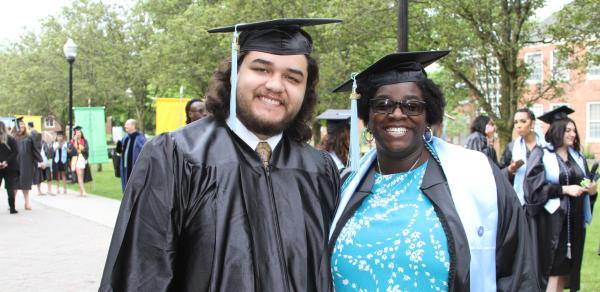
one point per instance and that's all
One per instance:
(486, 38)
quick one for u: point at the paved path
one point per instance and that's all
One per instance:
(60, 245)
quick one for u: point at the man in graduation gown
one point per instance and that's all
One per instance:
(236, 205)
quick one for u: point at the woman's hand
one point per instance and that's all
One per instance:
(573, 190)
(515, 165)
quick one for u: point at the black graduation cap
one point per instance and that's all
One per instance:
(77, 128)
(60, 133)
(279, 36)
(19, 119)
(395, 68)
(559, 113)
(336, 119)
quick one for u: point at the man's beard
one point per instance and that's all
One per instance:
(261, 127)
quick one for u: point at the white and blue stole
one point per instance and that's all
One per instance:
(519, 152)
(473, 188)
(552, 172)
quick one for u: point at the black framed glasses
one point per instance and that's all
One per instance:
(387, 106)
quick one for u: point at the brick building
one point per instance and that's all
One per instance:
(581, 91)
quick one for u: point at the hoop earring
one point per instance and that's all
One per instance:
(368, 136)
(428, 135)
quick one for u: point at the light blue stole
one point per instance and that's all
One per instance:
(519, 151)
(552, 171)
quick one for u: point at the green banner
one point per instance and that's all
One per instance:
(92, 122)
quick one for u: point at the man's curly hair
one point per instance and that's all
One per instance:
(217, 99)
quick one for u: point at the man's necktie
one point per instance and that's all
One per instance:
(264, 152)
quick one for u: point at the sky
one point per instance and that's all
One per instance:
(16, 17)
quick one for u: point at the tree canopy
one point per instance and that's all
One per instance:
(155, 47)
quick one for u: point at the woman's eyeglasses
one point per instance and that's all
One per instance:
(387, 106)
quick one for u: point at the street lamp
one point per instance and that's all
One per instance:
(70, 50)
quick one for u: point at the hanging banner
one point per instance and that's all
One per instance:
(37, 121)
(170, 114)
(92, 122)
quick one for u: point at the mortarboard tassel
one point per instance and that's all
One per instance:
(354, 143)
(231, 120)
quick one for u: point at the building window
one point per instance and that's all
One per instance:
(538, 110)
(560, 71)
(593, 69)
(488, 82)
(48, 122)
(534, 64)
(593, 121)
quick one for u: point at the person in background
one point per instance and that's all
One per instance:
(45, 168)
(558, 205)
(418, 213)
(482, 137)
(38, 175)
(195, 109)
(28, 160)
(9, 167)
(79, 155)
(336, 141)
(131, 147)
(60, 161)
(514, 158)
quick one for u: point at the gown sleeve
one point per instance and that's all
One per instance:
(515, 270)
(142, 252)
(537, 190)
(474, 142)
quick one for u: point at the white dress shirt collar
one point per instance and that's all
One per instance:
(250, 138)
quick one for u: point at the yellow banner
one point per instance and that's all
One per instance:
(170, 114)
(37, 121)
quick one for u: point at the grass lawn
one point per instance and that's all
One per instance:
(590, 280)
(104, 184)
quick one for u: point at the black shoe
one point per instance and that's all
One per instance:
(14, 211)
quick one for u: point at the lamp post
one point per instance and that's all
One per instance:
(70, 50)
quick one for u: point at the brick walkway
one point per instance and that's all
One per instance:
(60, 245)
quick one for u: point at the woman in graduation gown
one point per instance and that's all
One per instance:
(514, 158)
(482, 137)
(559, 207)
(418, 213)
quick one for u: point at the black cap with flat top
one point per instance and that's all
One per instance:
(559, 113)
(336, 119)
(279, 36)
(395, 68)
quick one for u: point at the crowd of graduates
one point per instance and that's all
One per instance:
(28, 160)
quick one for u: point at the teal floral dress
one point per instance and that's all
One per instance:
(394, 241)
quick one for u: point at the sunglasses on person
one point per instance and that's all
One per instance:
(387, 106)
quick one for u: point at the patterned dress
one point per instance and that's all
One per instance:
(394, 241)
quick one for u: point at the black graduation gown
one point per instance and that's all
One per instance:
(200, 213)
(28, 158)
(514, 263)
(547, 228)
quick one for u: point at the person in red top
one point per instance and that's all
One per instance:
(79, 153)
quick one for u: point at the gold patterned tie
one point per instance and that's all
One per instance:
(264, 152)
